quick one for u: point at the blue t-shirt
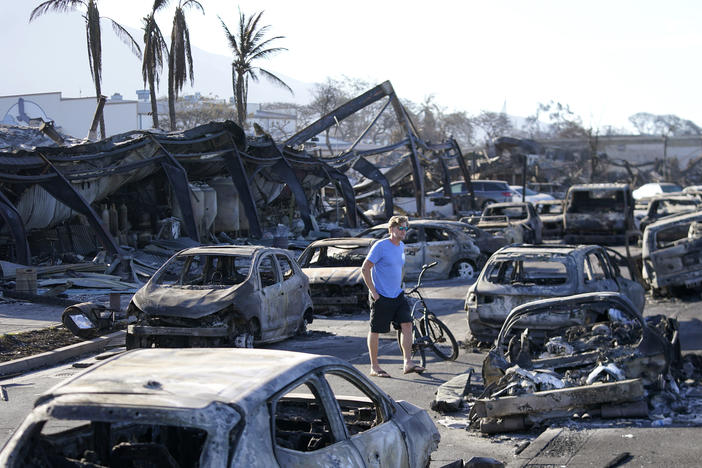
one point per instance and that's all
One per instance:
(388, 260)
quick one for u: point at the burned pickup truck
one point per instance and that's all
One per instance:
(672, 252)
(558, 357)
(222, 295)
(598, 214)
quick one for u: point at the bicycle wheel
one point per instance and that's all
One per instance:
(417, 345)
(441, 339)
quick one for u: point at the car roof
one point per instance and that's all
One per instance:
(674, 219)
(508, 204)
(423, 222)
(617, 186)
(343, 241)
(550, 248)
(188, 376)
(490, 180)
(227, 249)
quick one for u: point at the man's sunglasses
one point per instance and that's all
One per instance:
(403, 228)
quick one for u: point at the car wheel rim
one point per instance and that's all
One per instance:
(465, 270)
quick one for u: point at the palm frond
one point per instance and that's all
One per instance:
(125, 37)
(233, 43)
(159, 4)
(59, 6)
(195, 4)
(275, 80)
(94, 41)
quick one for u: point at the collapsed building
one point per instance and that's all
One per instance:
(136, 186)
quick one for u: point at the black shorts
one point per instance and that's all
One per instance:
(385, 310)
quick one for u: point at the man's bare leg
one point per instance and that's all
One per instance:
(406, 330)
(373, 339)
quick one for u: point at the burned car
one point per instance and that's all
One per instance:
(599, 214)
(519, 274)
(672, 252)
(668, 205)
(446, 242)
(551, 214)
(221, 407)
(222, 295)
(518, 221)
(333, 267)
(590, 352)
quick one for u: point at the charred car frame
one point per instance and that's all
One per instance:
(221, 296)
(519, 274)
(221, 407)
(333, 267)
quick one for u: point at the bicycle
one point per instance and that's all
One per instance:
(427, 330)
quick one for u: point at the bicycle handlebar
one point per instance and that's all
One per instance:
(425, 267)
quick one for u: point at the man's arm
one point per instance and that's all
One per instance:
(368, 279)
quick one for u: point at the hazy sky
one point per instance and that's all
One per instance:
(606, 59)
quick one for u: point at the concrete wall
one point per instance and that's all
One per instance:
(72, 116)
(640, 148)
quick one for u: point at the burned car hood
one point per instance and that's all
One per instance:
(180, 301)
(334, 275)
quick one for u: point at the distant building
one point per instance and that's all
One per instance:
(276, 122)
(72, 116)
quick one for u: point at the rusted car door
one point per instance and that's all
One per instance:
(293, 290)
(273, 300)
(440, 247)
(414, 252)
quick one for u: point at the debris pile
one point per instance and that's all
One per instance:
(616, 365)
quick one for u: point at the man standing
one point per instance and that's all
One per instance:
(382, 272)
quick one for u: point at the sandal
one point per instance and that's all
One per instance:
(414, 368)
(380, 373)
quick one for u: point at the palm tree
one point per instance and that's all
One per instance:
(249, 45)
(180, 60)
(92, 28)
(154, 48)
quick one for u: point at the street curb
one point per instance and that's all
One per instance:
(49, 358)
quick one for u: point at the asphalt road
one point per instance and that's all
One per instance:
(345, 337)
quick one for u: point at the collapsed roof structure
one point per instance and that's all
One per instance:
(149, 173)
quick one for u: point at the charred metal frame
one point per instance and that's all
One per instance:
(211, 148)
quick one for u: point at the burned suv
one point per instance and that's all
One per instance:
(221, 295)
(515, 275)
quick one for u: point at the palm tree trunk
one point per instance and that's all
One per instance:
(98, 93)
(171, 92)
(240, 104)
(152, 96)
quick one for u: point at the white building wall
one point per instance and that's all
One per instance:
(71, 116)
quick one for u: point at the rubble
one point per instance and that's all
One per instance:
(610, 365)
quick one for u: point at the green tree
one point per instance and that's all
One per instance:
(93, 36)
(154, 49)
(180, 60)
(248, 45)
